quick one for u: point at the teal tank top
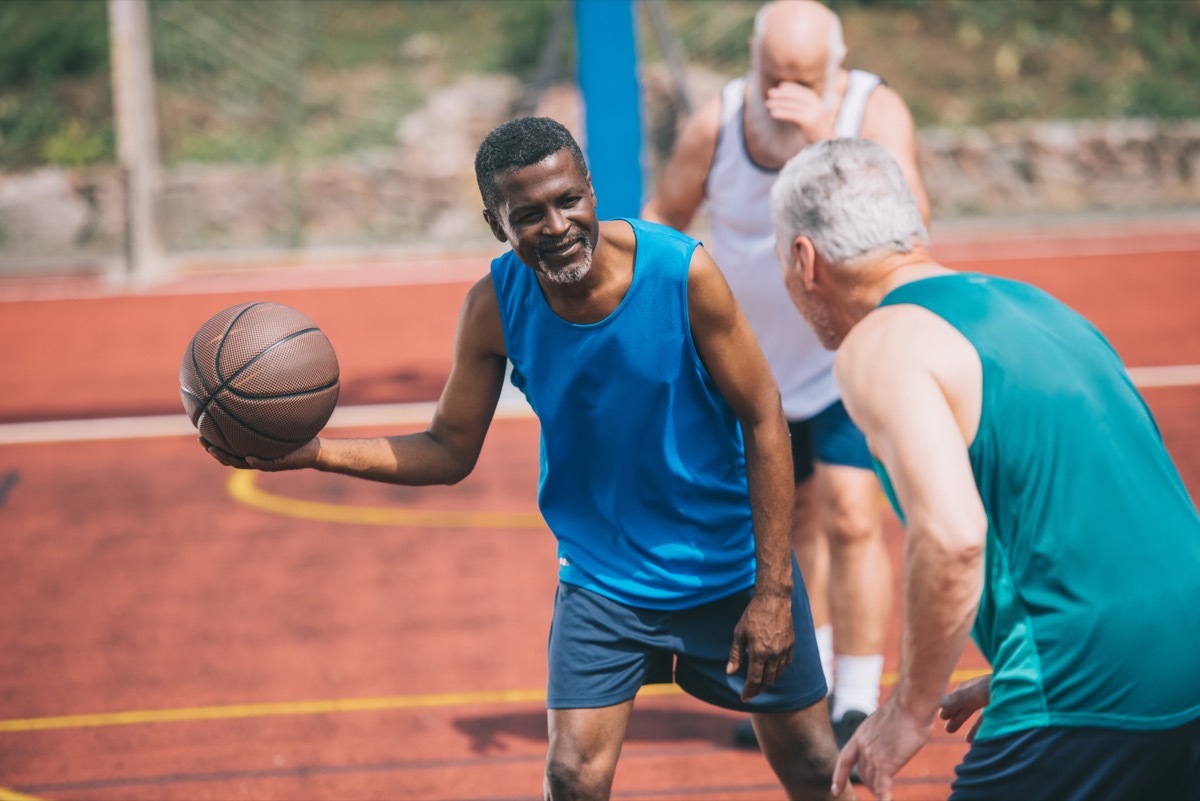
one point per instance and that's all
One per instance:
(643, 472)
(1090, 612)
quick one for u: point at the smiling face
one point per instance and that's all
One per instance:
(547, 214)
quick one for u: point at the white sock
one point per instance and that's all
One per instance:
(825, 650)
(857, 683)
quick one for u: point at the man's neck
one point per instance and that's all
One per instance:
(897, 269)
(599, 292)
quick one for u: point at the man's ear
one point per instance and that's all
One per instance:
(494, 224)
(804, 261)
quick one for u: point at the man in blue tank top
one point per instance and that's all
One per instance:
(1042, 512)
(665, 467)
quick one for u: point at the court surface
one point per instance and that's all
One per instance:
(172, 629)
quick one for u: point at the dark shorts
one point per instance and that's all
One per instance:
(601, 652)
(1060, 762)
(830, 437)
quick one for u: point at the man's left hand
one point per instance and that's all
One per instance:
(882, 745)
(765, 638)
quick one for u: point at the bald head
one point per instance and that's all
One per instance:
(797, 40)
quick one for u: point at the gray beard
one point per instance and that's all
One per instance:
(777, 141)
(569, 275)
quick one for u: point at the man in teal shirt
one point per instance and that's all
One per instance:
(1042, 512)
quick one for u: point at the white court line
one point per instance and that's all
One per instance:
(1028, 250)
(511, 406)
(1177, 375)
(961, 247)
(178, 425)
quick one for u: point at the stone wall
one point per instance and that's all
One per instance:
(422, 190)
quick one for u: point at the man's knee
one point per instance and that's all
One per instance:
(853, 523)
(851, 509)
(810, 769)
(801, 750)
(570, 777)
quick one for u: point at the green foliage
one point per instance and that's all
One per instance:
(272, 80)
(74, 145)
(51, 39)
(49, 47)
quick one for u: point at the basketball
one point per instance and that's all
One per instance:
(259, 379)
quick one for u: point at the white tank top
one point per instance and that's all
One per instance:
(743, 245)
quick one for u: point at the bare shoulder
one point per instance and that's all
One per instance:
(894, 346)
(618, 235)
(710, 300)
(479, 325)
(885, 106)
(872, 348)
(482, 294)
(699, 133)
(704, 271)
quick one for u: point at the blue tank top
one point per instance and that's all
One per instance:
(643, 473)
(1090, 611)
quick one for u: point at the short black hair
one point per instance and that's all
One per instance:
(518, 144)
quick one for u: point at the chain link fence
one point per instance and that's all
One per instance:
(309, 124)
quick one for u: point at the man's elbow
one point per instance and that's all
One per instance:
(652, 213)
(656, 212)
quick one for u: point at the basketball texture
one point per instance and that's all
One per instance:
(259, 379)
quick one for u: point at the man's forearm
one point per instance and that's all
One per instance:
(772, 488)
(412, 460)
(943, 578)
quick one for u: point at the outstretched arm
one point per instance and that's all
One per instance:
(681, 188)
(902, 372)
(447, 450)
(733, 359)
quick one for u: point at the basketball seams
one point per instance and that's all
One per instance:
(281, 395)
(263, 402)
(211, 391)
(249, 362)
(203, 402)
(221, 346)
(239, 421)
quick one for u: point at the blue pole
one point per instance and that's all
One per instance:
(612, 111)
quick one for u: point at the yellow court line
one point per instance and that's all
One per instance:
(12, 795)
(243, 488)
(332, 706)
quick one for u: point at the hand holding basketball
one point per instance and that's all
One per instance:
(304, 456)
(259, 380)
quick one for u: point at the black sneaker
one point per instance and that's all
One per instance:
(843, 730)
(744, 736)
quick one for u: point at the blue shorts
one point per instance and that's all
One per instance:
(1061, 762)
(601, 652)
(830, 437)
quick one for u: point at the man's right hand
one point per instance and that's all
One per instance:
(802, 107)
(304, 456)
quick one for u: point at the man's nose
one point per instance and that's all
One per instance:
(555, 223)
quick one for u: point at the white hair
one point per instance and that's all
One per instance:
(837, 54)
(849, 197)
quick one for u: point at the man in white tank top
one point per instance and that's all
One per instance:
(729, 154)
